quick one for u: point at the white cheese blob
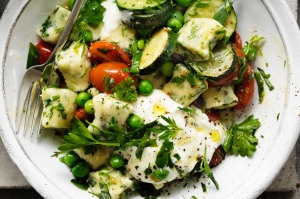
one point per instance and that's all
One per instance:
(54, 25)
(106, 107)
(196, 133)
(111, 181)
(59, 107)
(75, 66)
(112, 29)
(200, 36)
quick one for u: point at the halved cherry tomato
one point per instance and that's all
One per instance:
(45, 49)
(114, 71)
(238, 41)
(245, 90)
(108, 52)
(81, 114)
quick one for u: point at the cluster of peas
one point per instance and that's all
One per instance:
(175, 20)
(80, 169)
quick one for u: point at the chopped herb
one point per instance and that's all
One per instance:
(223, 12)
(260, 84)
(251, 48)
(204, 165)
(243, 67)
(78, 137)
(204, 189)
(277, 117)
(163, 158)
(47, 23)
(166, 132)
(126, 90)
(266, 78)
(91, 14)
(32, 57)
(188, 110)
(79, 184)
(240, 138)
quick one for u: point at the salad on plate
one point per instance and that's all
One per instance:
(139, 90)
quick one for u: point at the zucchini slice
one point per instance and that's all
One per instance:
(221, 62)
(157, 51)
(138, 4)
(208, 9)
(150, 18)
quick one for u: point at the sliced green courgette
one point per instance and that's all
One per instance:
(157, 51)
(214, 10)
(222, 61)
(150, 18)
(139, 4)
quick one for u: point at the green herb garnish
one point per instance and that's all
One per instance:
(240, 138)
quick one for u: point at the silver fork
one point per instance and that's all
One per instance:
(29, 114)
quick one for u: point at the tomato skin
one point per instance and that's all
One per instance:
(45, 49)
(227, 79)
(238, 41)
(108, 52)
(113, 70)
(81, 114)
(212, 114)
(245, 90)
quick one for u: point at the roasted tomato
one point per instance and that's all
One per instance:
(103, 51)
(107, 74)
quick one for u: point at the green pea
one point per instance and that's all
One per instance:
(89, 107)
(174, 24)
(135, 121)
(161, 174)
(80, 170)
(167, 68)
(176, 14)
(141, 44)
(184, 3)
(87, 36)
(116, 161)
(71, 4)
(82, 98)
(70, 159)
(145, 87)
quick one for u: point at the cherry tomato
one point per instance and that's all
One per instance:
(45, 49)
(107, 74)
(108, 52)
(213, 114)
(245, 90)
(81, 114)
(238, 41)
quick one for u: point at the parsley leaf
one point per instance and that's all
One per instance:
(126, 90)
(164, 155)
(166, 131)
(91, 14)
(240, 139)
(78, 137)
(251, 48)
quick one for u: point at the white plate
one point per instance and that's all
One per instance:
(238, 177)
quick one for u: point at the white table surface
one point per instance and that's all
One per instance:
(11, 177)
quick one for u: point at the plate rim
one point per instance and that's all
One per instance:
(292, 49)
